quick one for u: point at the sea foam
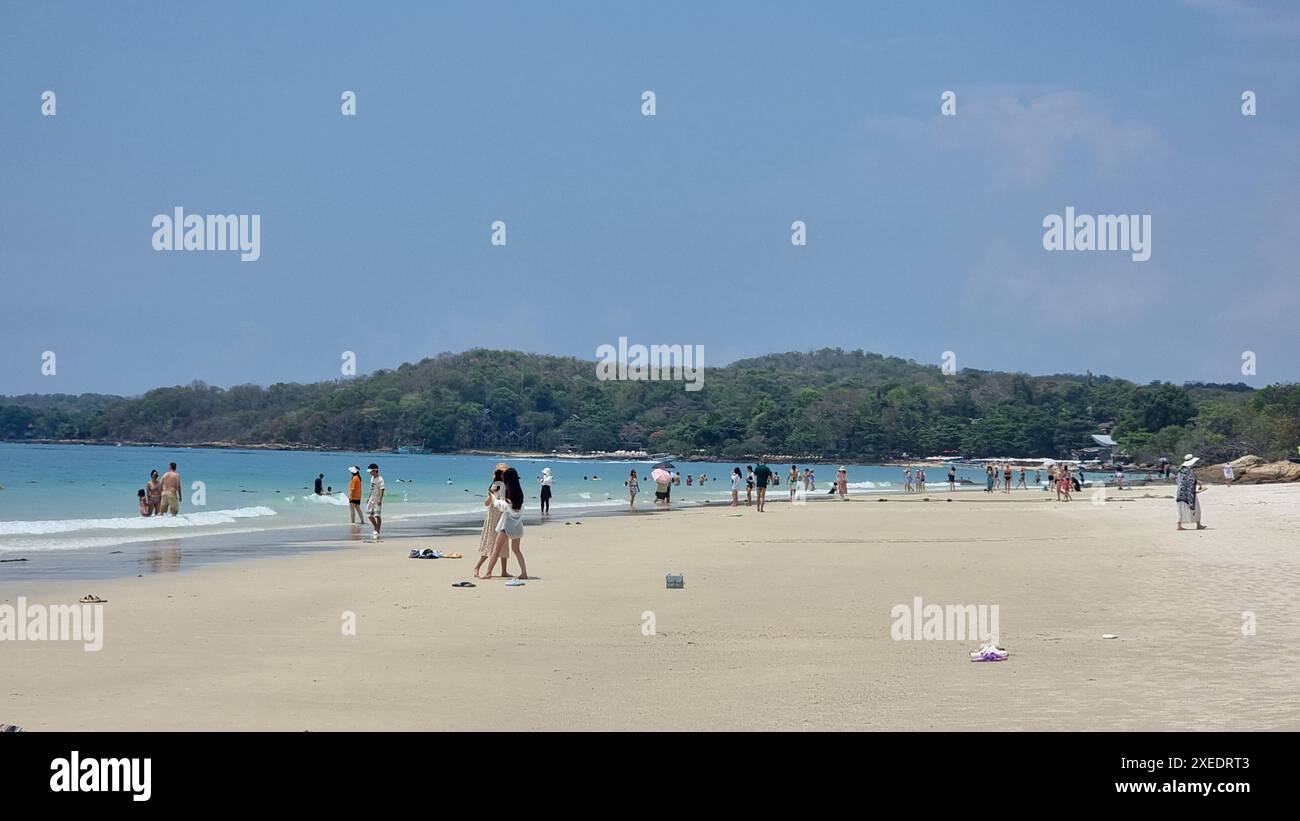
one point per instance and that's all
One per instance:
(198, 519)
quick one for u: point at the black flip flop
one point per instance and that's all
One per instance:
(464, 584)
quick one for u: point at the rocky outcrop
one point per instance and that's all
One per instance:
(1251, 470)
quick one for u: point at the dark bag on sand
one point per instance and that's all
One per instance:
(1078, 488)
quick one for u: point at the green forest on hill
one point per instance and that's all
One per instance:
(829, 403)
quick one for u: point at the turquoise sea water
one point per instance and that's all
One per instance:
(68, 497)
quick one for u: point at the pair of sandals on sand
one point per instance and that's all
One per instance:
(91, 598)
(511, 583)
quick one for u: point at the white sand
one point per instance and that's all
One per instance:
(784, 624)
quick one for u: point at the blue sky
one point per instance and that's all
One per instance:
(924, 232)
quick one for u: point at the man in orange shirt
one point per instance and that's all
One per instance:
(355, 515)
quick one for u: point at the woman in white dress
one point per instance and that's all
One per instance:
(510, 528)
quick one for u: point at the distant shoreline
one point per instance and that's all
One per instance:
(530, 454)
(1208, 472)
(518, 454)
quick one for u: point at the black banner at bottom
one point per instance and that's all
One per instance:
(172, 770)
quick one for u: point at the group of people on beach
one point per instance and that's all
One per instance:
(374, 505)
(755, 481)
(999, 476)
(914, 482)
(162, 495)
(503, 523)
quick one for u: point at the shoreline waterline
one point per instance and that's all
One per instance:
(187, 552)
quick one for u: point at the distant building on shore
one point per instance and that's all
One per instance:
(1104, 450)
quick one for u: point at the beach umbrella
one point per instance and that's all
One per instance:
(661, 476)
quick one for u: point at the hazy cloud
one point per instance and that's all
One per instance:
(1025, 138)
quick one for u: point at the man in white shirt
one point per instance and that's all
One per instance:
(375, 501)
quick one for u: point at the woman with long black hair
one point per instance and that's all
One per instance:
(488, 537)
(511, 526)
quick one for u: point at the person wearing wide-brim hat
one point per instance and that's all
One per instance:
(1189, 506)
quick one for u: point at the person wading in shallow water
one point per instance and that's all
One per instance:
(355, 516)
(762, 475)
(171, 491)
(633, 488)
(375, 501)
(153, 494)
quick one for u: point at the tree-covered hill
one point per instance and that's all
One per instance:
(829, 403)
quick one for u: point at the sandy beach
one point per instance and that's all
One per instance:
(784, 623)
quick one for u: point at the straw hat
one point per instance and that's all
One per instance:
(1190, 460)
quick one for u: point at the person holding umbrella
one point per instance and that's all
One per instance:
(663, 485)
